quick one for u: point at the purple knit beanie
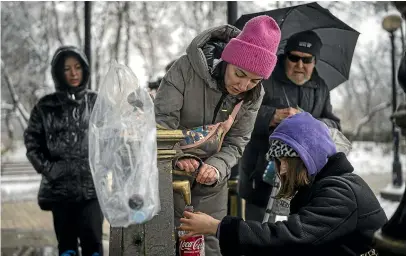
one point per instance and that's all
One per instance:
(254, 49)
(307, 136)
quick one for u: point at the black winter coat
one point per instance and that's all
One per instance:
(56, 137)
(336, 215)
(313, 97)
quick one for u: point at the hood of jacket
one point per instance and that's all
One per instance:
(58, 72)
(197, 56)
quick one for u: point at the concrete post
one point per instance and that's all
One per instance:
(157, 236)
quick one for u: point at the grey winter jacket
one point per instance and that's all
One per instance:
(188, 96)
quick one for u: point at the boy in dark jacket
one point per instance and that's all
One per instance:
(333, 211)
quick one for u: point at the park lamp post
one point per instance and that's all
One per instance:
(391, 23)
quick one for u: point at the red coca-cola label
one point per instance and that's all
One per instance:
(193, 246)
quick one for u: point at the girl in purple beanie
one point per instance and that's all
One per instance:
(222, 68)
(332, 212)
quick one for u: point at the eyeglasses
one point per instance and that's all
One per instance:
(295, 58)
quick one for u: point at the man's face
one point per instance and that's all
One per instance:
(299, 67)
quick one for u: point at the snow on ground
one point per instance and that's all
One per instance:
(388, 206)
(371, 157)
(17, 155)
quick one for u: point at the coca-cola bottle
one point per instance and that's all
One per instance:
(194, 245)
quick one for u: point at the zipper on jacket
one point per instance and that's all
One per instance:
(217, 109)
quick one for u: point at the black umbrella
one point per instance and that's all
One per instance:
(338, 38)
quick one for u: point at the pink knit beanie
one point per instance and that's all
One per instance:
(254, 49)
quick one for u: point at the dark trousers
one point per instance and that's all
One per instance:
(83, 220)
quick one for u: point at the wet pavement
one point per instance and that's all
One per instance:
(25, 228)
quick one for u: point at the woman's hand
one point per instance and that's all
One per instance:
(188, 164)
(198, 223)
(207, 175)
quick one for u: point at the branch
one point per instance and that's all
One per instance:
(7, 106)
(10, 130)
(119, 28)
(366, 119)
(14, 96)
(98, 49)
(77, 23)
(28, 38)
(150, 40)
(128, 31)
(58, 32)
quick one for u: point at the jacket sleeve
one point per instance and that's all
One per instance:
(235, 141)
(35, 143)
(169, 97)
(330, 214)
(327, 115)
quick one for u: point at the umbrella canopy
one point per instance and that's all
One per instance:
(338, 38)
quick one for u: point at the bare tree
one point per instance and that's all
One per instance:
(16, 102)
(367, 96)
(126, 10)
(76, 10)
(57, 24)
(154, 34)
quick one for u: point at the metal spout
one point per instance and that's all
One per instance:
(183, 187)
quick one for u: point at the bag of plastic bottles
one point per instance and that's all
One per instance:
(123, 149)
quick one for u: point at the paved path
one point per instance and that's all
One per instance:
(24, 223)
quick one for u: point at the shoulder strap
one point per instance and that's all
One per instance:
(236, 109)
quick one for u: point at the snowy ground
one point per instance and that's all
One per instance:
(371, 158)
(17, 155)
(368, 158)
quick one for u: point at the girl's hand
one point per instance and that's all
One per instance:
(207, 175)
(198, 223)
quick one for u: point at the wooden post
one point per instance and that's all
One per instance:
(157, 236)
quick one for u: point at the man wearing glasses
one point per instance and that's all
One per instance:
(294, 86)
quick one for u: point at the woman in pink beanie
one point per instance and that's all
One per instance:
(221, 68)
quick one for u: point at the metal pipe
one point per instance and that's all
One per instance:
(88, 40)
(402, 36)
(396, 166)
(183, 187)
(232, 12)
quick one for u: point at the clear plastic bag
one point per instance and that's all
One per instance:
(123, 149)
